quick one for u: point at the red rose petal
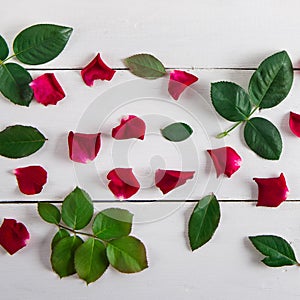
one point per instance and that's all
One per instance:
(179, 81)
(31, 179)
(123, 184)
(47, 90)
(294, 123)
(226, 160)
(271, 191)
(167, 180)
(130, 127)
(83, 147)
(96, 69)
(13, 236)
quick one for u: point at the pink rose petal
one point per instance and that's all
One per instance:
(294, 123)
(226, 160)
(167, 180)
(123, 184)
(96, 69)
(31, 179)
(13, 236)
(271, 191)
(130, 127)
(83, 147)
(179, 81)
(47, 90)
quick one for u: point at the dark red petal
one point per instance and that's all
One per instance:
(83, 147)
(47, 90)
(123, 184)
(13, 235)
(226, 160)
(179, 81)
(271, 191)
(96, 69)
(130, 127)
(31, 179)
(167, 180)
(295, 123)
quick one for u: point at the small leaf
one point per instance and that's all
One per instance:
(272, 81)
(20, 141)
(91, 260)
(14, 84)
(60, 234)
(231, 101)
(49, 212)
(263, 138)
(77, 209)
(62, 257)
(41, 43)
(3, 48)
(204, 221)
(127, 254)
(177, 132)
(112, 223)
(278, 251)
(145, 66)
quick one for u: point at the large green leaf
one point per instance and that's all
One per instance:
(272, 81)
(77, 209)
(230, 100)
(14, 84)
(145, 66)
(127, 254)
(204, 221)
(41, 43)
(49, 212)
(112, 223)
(3, 48)
(62, 257)
(177, 132)
(20, 141)
(60, 234)
(278, 251)
(263, 138)
(91, 260)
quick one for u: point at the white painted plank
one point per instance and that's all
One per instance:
(100, 108)
(189, 34)
(226, 268)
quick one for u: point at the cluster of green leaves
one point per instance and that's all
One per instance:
(34, 45)
(268, 86)
(109, 242)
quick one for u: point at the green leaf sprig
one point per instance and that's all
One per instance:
(268, 86)
(109, 242)
(34, 45)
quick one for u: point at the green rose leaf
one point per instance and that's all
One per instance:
(263, 138)
(230, 100)
(91, 260)
(145, 66)
(62, 257)
(49, 212)
(112, 223)
(14, 84)
(60, 234)
(177, 132)
(127, 254)
(20, 141)
(77, 209)
(278, 251)
(3, 48)
(204, 221)
(41, 43)
(272, 81)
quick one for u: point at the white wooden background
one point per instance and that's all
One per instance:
(215, 40)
